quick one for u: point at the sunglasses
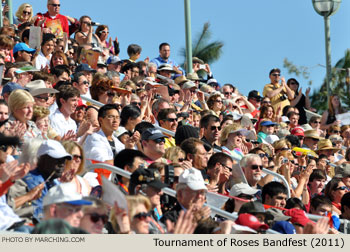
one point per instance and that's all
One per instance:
(245, 196)
(335, 131)
(76, 157)
(42, 98)
(255, 167)
(87, 23)
(26, 12)
(228, 93)
(104, 32)
(318, 122)
(55, 5)
(262, 155)
(341, 188)
(301, 138)
(268, 102)
(276, 74)
(218, 101)
(181, 160)
(214, 128)
(136, 103)
(111, 94)
(94, 217)
(171, 119)
(159, 140)
(284, 149)
(85, 82)
(142, 216)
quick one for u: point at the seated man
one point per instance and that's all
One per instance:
(190, 192)
(251, 165)
(274, 194)
(168, 120)
(320, 205)
(63, 202)
(211, 131)
(152, 141)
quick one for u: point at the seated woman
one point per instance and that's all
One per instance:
(232, 141)
(74, 167)
(41, 119)
(266, 131)
(335, 189)
(95, 216)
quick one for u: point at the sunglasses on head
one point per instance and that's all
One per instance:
(142, 216)
(255, 167)
(94, 217)
(215, 127)
(159, 140)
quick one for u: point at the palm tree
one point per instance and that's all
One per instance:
(201, 48)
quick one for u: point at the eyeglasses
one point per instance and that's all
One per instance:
(341, 188)
(26, 12)
(46, 98)
(276, 74)
(218, 101)
(255, 167)
(215, 128)
(226, 166)
(85, 82)
(171, 119)
(104, 32)
(159, 140)
(228, 93)
(111, 94)
(262, 155)
(318, 122)
(55, 5)
(136, 103)
(94, 217)
(142, 216)
(76, 157)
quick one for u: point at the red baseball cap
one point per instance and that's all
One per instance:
(298, 216)
(297, 131)
(80, 103)
(251, 221)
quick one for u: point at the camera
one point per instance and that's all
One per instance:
(283, 97)
(285, 160)
(95, 23)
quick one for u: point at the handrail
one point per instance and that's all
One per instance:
(168, 191)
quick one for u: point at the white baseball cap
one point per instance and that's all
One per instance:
(193, 179)
(64, 193)
(242, 188)
(54, 149)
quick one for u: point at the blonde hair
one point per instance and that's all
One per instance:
(69, 146)
(172, 153)
(133, 202)
(130, 83)
(206, 88)
(279, 144)
(20, 10)
(19, 98)
(226, 132)
(40, 112)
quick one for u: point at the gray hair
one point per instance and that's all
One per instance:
(112, 74)
(180, 187)
(29, 152)
(245, 161)
(151, 64)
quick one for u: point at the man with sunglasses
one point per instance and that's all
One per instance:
(40, 92)
(152, 141)
(81, 83)
(167, 119)
(23, 53)
(251, 165)
(210, 124)
(311, 139)
(64, 202)
(255, 99)
(279, 94)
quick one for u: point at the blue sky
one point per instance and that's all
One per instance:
(257, 34)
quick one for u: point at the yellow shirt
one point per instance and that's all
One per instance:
(169, 142)
(276, 100)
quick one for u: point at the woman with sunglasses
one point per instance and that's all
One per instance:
(84, 35)
(315, 123)
(136, 220)
(102, 32)
(95, 216)
(233, 142)
(335, 189)
(24, 14)
(74, 167)
(215, 103)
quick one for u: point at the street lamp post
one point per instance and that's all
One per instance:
(326, 8)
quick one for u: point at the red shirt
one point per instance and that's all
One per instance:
(62, 20)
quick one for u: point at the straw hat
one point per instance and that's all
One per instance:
(325, 144)
(312, 134)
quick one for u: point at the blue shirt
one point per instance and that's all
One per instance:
(159, 61)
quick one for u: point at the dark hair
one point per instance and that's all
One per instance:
(134, 49)
(77, 75)
(99, 29)
(290, 114)
(100, 87)
(285, 110)
(294, 203)
(317, 174)
(272, 189)
(81, 21)
(66, 92)
(129, 111)
(331, 186)
(189, 145)
(163, 44)
(46, 38)
(142, 126)
(25, 34)
(274, 70)
(218, 157)
(255, 150)
(264, 109)
(294, 140)
(319, 200)
(60, 69)
(3, 102)
(226, 118)
(127, 157)
(204, 122)
(314, 119)
(163, 113)
(103, 110)
(292, 79)
(345, 201)
(43, 76)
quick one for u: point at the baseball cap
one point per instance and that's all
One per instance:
(185, 131)
(342, 171)
(9, 87)
(150, 177)
(84, 67)
(251, 221)
(254, 94)
(64, 193)
(113, 60)
(23, 47)
(242, 188)
(152, 134)
(27, 68)
(193, 179)
(284, 227)
(252, 207)
(297, 131)
(54, 149)
(267, 123)
(277, 214)
(298, 216)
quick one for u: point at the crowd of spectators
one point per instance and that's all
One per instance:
(73, 102)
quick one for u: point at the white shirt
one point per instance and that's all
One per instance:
(60, 124)
(41, 61)
(97, 147)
